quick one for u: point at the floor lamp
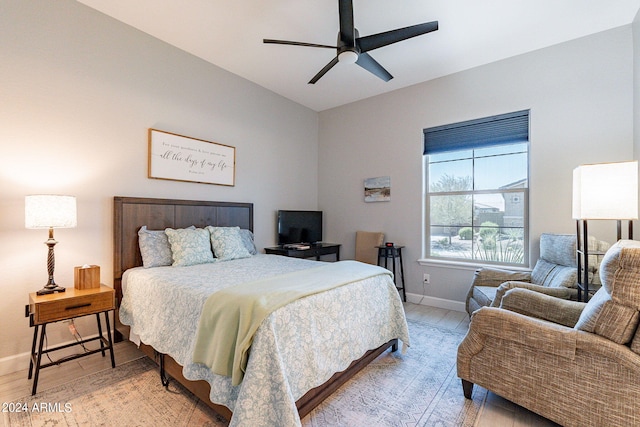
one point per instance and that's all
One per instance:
(602, 191)
(50, 211)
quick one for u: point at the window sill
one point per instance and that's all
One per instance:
(459, 265)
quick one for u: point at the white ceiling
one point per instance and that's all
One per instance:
(471, 33)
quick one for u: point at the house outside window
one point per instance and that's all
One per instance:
(476, 190)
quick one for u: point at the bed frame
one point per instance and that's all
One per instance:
(131, 213)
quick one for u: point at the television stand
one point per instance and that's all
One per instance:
(314, 251)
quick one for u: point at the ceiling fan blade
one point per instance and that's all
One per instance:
(368, 63)
(322, 72)
(288, 42)
(375, 41)
(347, 32)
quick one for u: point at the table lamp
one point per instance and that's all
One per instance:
(50, 211)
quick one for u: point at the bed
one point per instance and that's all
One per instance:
(301, 353)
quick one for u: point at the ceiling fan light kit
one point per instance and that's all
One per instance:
(351, 48)
(348, 57)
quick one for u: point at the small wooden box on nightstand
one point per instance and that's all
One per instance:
(86, 277)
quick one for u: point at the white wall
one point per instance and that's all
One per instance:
(581, 101)
(636, 85)
(78, 92)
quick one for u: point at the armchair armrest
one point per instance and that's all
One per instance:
(492, 326)
(489, 323)
(542, 306)
(560, 292)
(488, 276)
(510, 326)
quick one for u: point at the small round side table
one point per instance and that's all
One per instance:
(394, 253)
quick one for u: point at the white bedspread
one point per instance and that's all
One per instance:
(297, 347)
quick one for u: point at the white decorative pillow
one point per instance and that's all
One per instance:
(189, 246)
(227, 243)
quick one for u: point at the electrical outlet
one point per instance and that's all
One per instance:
(426, 279)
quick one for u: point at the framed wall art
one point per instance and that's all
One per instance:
(377, 189)
(181, 158)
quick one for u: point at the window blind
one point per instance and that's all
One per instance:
(502, 129)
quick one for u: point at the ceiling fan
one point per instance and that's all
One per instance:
(353, 48)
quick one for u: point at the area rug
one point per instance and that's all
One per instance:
(418, 388)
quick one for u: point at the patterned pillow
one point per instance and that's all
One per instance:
(154, 247)
(247, 240)
(227, 243)
(189, 246)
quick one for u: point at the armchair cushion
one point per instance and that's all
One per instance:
(483, 296)
(556, 266)
(485, 284)
(554, 275)
(620, 272)
(613, 311)
(559, 249)
(604, 317)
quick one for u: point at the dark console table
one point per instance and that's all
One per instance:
(316, 251)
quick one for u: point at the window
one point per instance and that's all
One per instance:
(476, 190)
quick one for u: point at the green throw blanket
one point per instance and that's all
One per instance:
(230, 317)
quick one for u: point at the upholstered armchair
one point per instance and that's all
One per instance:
(576, 364)
(555, 273)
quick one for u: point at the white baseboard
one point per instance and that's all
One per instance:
(19, 362)
(15, 363)
(436, 302)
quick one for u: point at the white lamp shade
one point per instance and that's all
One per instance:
(50, 211)
(606, 191)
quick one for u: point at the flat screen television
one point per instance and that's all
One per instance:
(299, 227)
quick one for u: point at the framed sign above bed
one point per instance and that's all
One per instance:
(181, 158)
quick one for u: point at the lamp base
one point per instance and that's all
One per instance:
(50, 289)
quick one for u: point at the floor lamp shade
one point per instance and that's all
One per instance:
(601, 191)
(606, 191)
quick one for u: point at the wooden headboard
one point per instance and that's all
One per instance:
(131, 213)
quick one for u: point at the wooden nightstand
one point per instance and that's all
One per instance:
(45, 309)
